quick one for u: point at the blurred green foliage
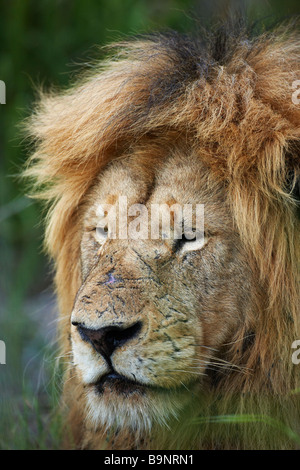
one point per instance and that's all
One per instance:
(44, 43)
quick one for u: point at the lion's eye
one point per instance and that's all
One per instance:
(191, 244)
(101, 231)
(101, 234)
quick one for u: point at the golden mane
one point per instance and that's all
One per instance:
(234, 106)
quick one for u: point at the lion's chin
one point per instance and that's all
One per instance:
(118, 384)
(125, 405)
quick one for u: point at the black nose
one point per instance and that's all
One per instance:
(106, 340)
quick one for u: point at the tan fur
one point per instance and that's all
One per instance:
(227, 138)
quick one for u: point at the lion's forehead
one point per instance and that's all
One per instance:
(180, 179)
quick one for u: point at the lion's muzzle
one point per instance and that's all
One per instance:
(106, 340)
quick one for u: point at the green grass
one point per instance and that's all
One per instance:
(273, 425)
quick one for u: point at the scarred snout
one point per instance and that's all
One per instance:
(128, 330)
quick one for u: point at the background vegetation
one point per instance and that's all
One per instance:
(44, 43)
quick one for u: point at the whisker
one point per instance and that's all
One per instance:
(185, 386)
(224, 361)
(186, 371)
(239, 340)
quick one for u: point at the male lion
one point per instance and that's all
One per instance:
(167, 339)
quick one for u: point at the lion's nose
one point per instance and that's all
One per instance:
(106, 340)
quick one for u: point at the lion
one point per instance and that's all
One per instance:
(177, 343)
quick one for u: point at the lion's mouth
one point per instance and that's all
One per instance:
(118, 383)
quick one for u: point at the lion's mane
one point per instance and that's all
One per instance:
(231, 95)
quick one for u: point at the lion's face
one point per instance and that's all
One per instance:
(152, 315)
